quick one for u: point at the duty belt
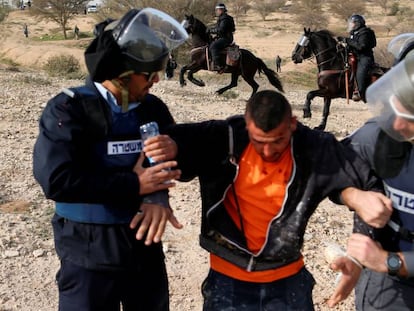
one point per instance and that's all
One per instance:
(94, 213)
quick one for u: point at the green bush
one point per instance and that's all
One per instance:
(63, 65)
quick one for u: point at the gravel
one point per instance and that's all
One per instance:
(29, 263)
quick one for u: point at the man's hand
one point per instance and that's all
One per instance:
(152, 220)
(157, 177)
(350, 275)
(368, 252)
(373, 207)
(212, 30)
(160, 148)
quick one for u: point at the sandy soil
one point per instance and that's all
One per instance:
(29, 263)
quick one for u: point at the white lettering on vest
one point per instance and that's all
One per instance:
(124, 147)
(401, 200)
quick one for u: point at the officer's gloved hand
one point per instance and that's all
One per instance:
(212, 30)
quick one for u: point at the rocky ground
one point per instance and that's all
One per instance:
(28, 262)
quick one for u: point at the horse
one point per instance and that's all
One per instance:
(335, 79)
(247, 65)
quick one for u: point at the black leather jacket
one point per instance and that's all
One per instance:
(362, 41)
(225, 27)
(322, 167)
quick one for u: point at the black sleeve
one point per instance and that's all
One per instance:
(225, 26)
(201, 146)
(339, 167)
(365, 42)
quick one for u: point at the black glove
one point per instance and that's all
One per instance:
(341, 39)
(212, 30)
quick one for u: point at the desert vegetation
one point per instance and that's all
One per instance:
(34, 69)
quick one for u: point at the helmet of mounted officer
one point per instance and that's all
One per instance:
(220, 9)
(221, 6)
(355, 22)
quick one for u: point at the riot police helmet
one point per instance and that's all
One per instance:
(138, 42)
(355, 22)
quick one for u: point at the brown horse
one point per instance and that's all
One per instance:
(333, 69)
(247, 65)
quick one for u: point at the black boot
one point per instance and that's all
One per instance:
(217, 66)
(356, 96)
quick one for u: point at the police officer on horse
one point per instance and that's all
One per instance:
(223, 30)
(362, 40)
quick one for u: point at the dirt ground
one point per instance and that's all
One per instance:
(29, 263)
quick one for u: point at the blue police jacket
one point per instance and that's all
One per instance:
(85, 152)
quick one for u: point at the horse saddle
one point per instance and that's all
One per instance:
(374, 72)
(231, 54)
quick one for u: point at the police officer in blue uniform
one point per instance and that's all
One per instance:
(89, 158)
(386, 143)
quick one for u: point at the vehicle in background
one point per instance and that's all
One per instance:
(91, 8)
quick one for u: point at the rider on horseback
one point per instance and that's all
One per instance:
(223, 30)
(361, 41)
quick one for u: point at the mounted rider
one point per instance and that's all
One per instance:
(362, 40)
(223, 30)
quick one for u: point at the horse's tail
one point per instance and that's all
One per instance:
(270, 74)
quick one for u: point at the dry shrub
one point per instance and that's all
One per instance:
(63, 65)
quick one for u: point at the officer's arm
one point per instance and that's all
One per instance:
(363, 43)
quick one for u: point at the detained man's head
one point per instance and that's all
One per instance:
(270, 124)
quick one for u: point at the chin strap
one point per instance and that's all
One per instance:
(123, 87)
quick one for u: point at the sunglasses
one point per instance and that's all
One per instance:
(393, 102)
(149, 76)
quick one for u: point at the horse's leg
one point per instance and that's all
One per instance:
(196, 81)
(192, 68)
(182, 72)
(233, 83)
(307, 113)
(326, 108)
(250, 80)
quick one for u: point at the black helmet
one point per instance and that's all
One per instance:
(357, 21)
(139, 42)
(221, 6)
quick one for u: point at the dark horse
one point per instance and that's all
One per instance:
(333, 68)
(247, 65)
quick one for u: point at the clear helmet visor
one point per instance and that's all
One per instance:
(391, 101)
(399, 43)
(167, 29)
(148, 35)
(351, 25)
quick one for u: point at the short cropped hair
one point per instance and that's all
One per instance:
(268, 109)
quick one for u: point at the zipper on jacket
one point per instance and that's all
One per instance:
(250, 265)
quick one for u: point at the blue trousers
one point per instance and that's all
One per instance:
(222, 293)
(380, 291)
(362, 76)
(216, 47)
(81, 289)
